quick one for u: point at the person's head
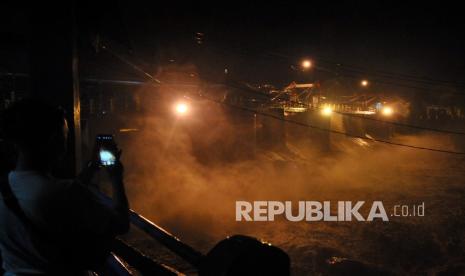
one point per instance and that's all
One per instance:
(38, 130)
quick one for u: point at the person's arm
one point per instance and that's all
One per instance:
(87, 173)
(96, 214)
(120, 200)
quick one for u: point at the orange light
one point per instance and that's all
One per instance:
(364, 83)
(306, 64)
(181, 108)
(327, 111)
(387, 111)
(128, 130)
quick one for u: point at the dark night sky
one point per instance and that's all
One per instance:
(412, 39)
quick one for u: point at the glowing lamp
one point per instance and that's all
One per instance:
(327, 111)
(387, 111)
(306, 64)
(181, 108)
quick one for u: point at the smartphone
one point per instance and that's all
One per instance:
(106, 149)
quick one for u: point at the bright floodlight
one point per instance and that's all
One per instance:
(181, 108)
(364, 83)
(306, 64)
(387, 111)
(327, 111)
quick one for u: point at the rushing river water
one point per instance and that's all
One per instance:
(196, 202)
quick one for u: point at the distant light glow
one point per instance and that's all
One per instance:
(128, 129)
(364, 83)
(327, 111)
(294, 109)
(361, 142)
(306, 64)
(387, 111)
(365, 112)
(181, 108)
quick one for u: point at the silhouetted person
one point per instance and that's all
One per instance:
(6, 165)
(63, 223)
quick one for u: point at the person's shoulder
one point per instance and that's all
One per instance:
(64, 184)
(37, 184)
(76, 190)
(28, 184)
(70, 194)
(71, 188)
(27, 177)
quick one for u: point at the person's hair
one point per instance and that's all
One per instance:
(31, 123)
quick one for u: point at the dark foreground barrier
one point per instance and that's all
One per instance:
(236, 255)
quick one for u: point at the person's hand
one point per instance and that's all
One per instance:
(115, 172)
(88, 172)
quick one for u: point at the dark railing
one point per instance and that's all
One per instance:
(181, 249)
(138, 260)
(116, 267)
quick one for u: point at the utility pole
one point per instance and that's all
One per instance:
(54, 69)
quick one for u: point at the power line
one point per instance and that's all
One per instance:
(144, 73)
(405, 84)
(402, 124)
(301, 123)
(333, 131)
(135, 67)
(350, 70)
(370, 71)
(363, 117)
(374, 119)
(400, 76)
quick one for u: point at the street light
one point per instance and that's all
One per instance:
(306, 64)
(387, 111)
(364, 83)
(327, 111)
(181, 108)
